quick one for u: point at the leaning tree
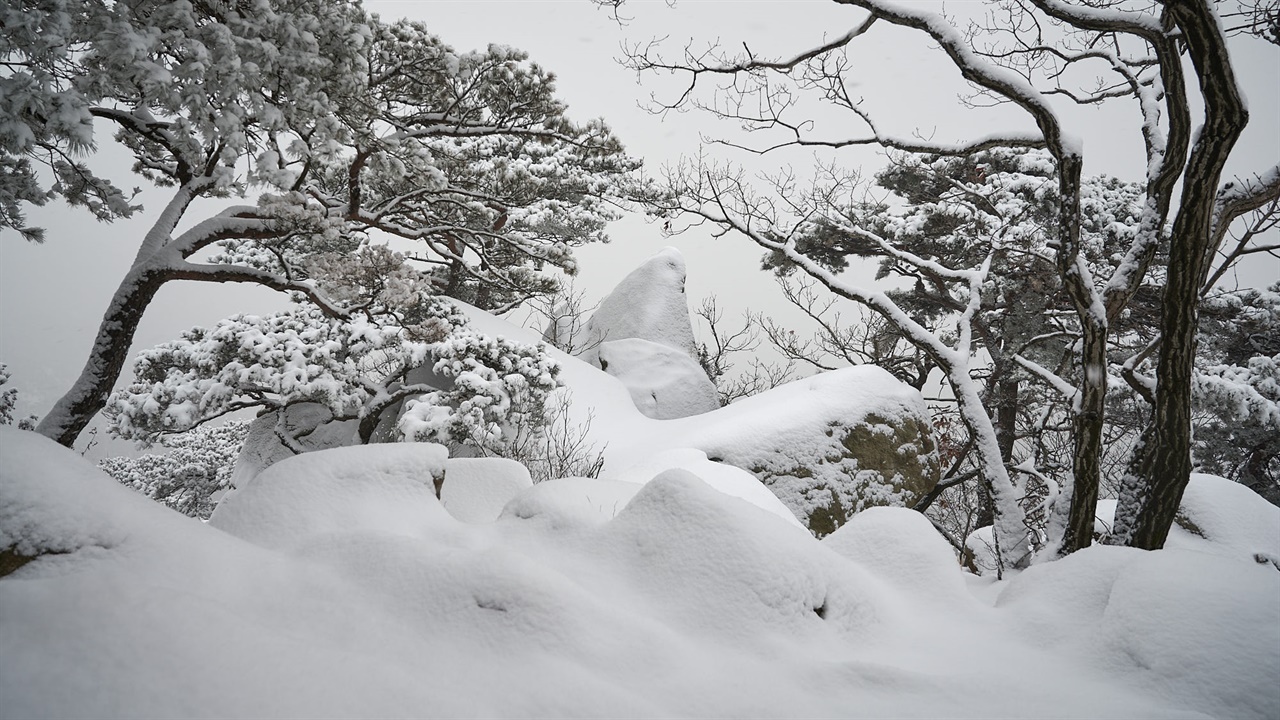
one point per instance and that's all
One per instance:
(349, 130)
(1170, 60)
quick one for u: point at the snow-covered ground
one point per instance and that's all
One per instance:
(335, 585)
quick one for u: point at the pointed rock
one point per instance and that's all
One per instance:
(648, 304)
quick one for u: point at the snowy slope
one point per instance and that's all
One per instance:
(688, 603)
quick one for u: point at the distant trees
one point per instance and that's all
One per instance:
(9, 402)
(352, 131)
(1030, 55)
(191, 475)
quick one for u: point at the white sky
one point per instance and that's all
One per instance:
(52, 296)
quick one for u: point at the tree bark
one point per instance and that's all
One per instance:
(1086, 465)
(76, 408)
(1165, 466)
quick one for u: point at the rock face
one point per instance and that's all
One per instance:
(870, 462)
(664, 383)
(648, 304)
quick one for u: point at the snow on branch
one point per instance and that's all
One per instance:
(1064, 388)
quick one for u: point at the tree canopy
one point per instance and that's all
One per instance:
(350, 131)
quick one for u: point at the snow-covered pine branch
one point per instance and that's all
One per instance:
(477, 390)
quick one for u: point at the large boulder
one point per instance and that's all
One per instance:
(829, 445)
(648, 304)
(641, 334)
(312, 427)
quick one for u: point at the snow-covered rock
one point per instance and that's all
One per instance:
(1218, 515)
(902, 545)
(648, 304)
(572, 502)
(310, 424)
(827, 446)
(664, 383)
(476, 489)
(367, 488)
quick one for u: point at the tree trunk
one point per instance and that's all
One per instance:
(1165, 465)
(1086, 465)
(1006, 417)
(88, 395)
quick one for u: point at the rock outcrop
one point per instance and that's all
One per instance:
(642, 335)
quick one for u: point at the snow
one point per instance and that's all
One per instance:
(371, 488)
(476, 489)
(1216, 516)
(799, 423)
(728, 479)
(335, 585)
(1201, 630)
(648, 304)
(901, 545)
(572, 502)
(664, 383)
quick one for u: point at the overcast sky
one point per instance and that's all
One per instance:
(52, 296)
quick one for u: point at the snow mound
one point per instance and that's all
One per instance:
(51, 507)
(1216, 516)
(746, 577)
(664, 383)
(648, 304)
(902, 545)
(572, 502)
(1198, 628)
(728, 479)
(688, 603)
(476, 489)
(1233, 519)
(365, 488)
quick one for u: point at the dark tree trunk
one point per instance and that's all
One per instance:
(1006, 417)
(1090, 403)
(1165, 465)
(88, 395)
(1086, 465)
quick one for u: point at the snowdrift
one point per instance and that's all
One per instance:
(335, 585)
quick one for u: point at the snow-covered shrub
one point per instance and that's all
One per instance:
(478, 388)
(9, 401)
(559, 448)
(190, 476)
(496, 389)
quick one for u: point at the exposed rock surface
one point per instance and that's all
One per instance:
(829, 445)
(311, 425)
